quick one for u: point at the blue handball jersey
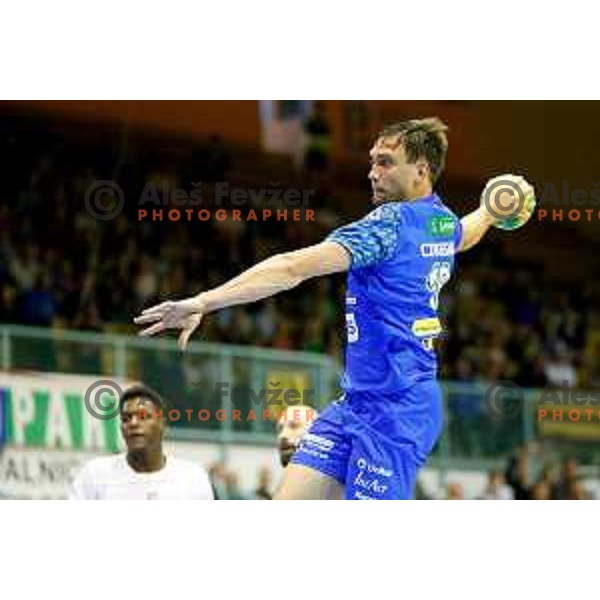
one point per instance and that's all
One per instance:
(402, 255)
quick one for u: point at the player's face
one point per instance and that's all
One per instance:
(141, 425)
(289, 432)
(392, 177)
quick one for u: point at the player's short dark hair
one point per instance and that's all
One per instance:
(422, 138)
(141, 391)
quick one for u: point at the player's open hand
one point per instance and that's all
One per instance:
(183, 314)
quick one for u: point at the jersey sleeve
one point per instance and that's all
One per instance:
(371, 240)
(458, 232)
(204, 489)
(81, 488)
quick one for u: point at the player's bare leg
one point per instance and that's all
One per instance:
(303, 483)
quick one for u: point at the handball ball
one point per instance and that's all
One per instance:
(521, 218)
(509, 217)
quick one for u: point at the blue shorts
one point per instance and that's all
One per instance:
(374, 444)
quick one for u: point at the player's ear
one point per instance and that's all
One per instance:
(162, 422)
(422, 170)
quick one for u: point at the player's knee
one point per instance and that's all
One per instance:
(286, 489)
(303, 483)
(294, 485)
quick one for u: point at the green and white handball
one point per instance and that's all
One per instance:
(509, 215)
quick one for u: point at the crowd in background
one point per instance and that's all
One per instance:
(509, 324)
(527, 475)
(59, 266)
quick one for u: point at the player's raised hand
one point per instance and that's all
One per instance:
(509, 200)
(183, 314)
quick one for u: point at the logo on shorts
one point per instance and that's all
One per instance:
(364, 465)
(316, 446)
(369, 485)
(370, 480)
(351, 328)
(318, 442)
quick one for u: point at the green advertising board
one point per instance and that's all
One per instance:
(49, 411)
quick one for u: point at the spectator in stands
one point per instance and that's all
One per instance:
(567, 481)
(217, 475)
(577, 491)
(540, 491)
(420, 492)
(313, 337)
(559, 370)
(316, 133)
(266, 320)
(8, 303)
(88, 317)
(25, 266)
(283, 340)
(146, 280)
(38, 304)
(548, 475)
(532, 374)
(496, 488)
(263, 489)
(464, 408)
(517, 475)
(455, 491)
(232, 482)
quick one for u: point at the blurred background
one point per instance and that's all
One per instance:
(523, 306)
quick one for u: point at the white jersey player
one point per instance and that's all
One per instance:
(144, 472)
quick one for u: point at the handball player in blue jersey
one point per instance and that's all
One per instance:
(370, 443)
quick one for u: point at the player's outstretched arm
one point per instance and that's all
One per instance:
(504, 197)
(474, 227)
(269, 277)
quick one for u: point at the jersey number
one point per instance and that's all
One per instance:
(435, 281)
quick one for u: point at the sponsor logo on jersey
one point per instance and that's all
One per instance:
(441, 249)
(441, 226)
(427, 327)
